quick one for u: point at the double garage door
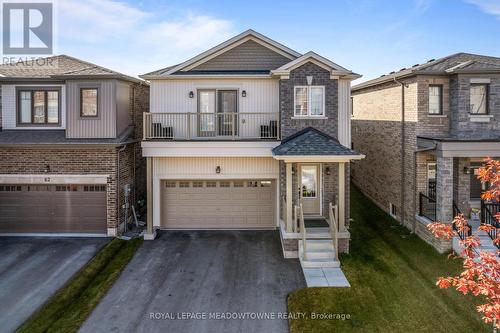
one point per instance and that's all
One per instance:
(221, 204)
(53, 209)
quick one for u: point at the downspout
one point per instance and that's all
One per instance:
(403, 134)
(118, 215)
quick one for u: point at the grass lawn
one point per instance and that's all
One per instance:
(392, 276)
(72, 304)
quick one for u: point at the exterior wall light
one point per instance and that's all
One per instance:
(244, 93)
(191, 94)
(217, 169)
(327, 171)
(466, 171)
(47, 169)
(293, 171)
(309, 80)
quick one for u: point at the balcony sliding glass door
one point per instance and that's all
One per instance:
(217, 113)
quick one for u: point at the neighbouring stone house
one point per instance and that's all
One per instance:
(425, 130)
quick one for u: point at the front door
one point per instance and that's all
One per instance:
(226, 112)
(310, 195)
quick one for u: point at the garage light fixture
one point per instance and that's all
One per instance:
(191, 94)
(217, 169)
(244, 93)
(327, 171)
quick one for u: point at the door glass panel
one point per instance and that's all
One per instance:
(206, 111)
(227, 100)
(309, 177)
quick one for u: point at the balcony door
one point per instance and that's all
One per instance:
(227, 106)
(217, 113)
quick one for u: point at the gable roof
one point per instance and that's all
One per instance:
(317, 59)
(452, 64)
(58, 67)
(312, 142)
(221, 48)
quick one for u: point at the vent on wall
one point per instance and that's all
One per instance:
(392, 210)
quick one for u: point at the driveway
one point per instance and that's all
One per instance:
(201, 273)
(33, 269)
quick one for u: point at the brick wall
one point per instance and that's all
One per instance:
(377, 131)
(321, 77)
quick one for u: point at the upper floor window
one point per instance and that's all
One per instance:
(88, 102)
(479, 98)
(38, 106)
(435, 99)
(309, 101)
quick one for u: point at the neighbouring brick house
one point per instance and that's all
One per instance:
(424, 130)
(244, 135)
(69, 143)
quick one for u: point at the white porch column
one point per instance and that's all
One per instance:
(150, 233)
(341, 197)
(288, 197)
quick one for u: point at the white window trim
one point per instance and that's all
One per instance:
(309, 115)
(391, 205)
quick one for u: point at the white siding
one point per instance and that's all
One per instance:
(173, 95)
(204, 168)
(345, 112)
(9, 106)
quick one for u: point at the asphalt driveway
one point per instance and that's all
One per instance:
(33, 269)
(201, 273)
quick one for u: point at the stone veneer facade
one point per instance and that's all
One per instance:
(329, 125)
(377, 129)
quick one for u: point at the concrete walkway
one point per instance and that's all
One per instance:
(33, 269)
(201, 274)
(325, 277)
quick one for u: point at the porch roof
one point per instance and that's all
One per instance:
(311, 144)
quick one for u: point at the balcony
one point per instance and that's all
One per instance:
(212, 126)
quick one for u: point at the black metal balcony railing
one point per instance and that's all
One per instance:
(464, 233)
(212, 126)
(427, 207)
(489, 210)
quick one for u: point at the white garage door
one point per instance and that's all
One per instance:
(221, 204)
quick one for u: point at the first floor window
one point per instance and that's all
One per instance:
(88, 102)
(38, 107)
(479, 99)
(309, 101)
(435, 99)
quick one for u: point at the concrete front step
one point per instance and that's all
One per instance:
(319, 263)
(486, 244)
(320, 254)
(318, 233)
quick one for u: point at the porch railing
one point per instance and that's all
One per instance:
(299, 215)
(464, 233)
(334, 227)
(211, 126)
(427, 207)
(489, 210)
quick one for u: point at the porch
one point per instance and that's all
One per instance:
(314, 187)
(447, 185)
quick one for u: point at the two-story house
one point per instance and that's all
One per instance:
(425, 130)
(69, 147)
(252, 135)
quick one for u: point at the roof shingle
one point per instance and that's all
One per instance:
(311, 142)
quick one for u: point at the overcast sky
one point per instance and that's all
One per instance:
(367, 36)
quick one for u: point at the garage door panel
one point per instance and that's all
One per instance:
(53, 208)
(225, 204)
